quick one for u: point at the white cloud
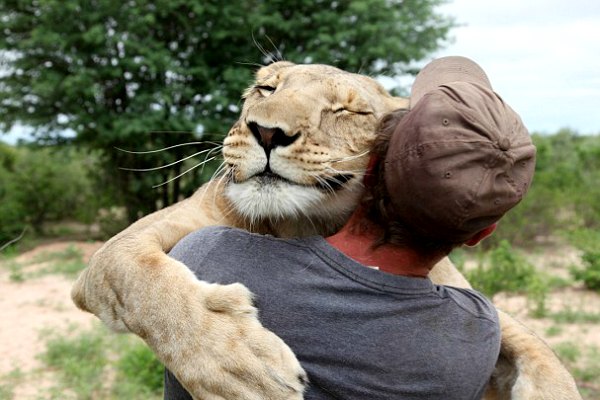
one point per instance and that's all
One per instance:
(542, 56)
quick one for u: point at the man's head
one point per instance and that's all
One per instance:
(459, 159)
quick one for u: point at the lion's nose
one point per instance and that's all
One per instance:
(269, 138)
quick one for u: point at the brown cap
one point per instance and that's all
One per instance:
(461, 157)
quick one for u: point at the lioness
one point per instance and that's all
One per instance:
(319, 124)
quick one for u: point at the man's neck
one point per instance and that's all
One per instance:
(358, 245)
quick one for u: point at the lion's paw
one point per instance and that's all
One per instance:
(235, 357)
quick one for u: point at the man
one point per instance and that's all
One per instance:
(357, 308)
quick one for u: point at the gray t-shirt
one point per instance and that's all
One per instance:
(359, 333)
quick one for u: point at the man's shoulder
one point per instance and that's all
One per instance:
(203, 236)
(230, 240)
(204, 240)
(471, 301)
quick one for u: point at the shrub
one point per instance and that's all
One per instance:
(95, 364)
(590, 273)
(79, 360)
(537, 293)
(139, 365)
(12, 213)
(564, 193)
(588, 241)
(111, 221)
(507, 271)
(45, 184)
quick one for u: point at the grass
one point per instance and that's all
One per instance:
(571, 316)
(95, 364)
(554, 330)
(68, 262)
(568, 352)
(8, 383)
(584, 364)
(79, 361)
(91, 364)
(16, 271)
(501, 269)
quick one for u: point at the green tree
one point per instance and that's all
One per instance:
(42, 185)
(117, 73)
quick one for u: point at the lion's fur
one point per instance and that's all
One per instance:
(132, 285)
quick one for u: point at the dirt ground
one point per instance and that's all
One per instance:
(28, 308)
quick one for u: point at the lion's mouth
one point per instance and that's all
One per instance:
(334, 183)
(267, 177)
(328, 184)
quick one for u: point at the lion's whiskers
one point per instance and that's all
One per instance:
(173, 163)
(221, 168)
(200, 164)
(269, 56)
(349, 158)
(344, 171)
(164, 149)
(219, 182)
(201, 199)
(325, 183)
(207, 158)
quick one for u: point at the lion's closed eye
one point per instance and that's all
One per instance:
(342, 110)
(265, 90)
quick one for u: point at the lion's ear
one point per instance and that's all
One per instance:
(264, 72)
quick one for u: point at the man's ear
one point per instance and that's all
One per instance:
(482, 234)
(369, 178)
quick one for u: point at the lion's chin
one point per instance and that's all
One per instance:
(273, 199)
(280, 201)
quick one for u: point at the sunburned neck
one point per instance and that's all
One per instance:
(358, 245)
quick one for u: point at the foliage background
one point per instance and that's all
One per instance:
(146, 74)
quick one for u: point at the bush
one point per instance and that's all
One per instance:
(79, 361)
(506, 271)
(12, 213)
(95, 364)
(590, 273)
(564, 193)
(41, 185)
(140, 366)
(111, 221)
(588, 241)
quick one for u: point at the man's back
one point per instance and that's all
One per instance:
(359, 333)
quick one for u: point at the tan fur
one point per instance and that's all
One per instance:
(208, 335)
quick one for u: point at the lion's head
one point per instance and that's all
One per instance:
(299, 149)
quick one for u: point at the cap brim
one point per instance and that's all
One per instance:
(445, 70)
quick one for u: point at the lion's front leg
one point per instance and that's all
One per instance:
(528, 369)
(127, 260)
(208, 335)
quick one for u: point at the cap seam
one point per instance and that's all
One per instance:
(453, 143)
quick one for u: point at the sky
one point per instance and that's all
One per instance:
(542, 57)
